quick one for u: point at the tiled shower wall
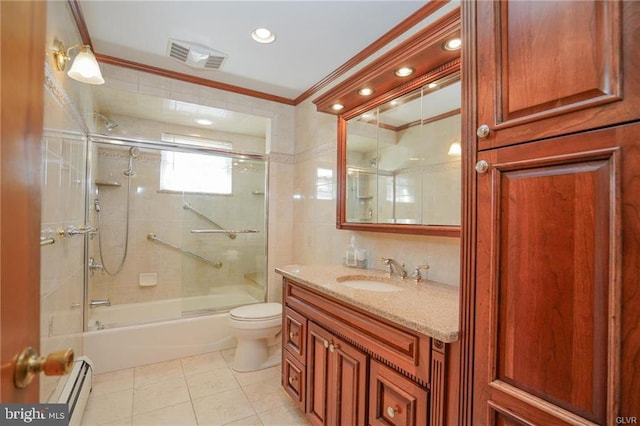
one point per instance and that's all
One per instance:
(152, 211)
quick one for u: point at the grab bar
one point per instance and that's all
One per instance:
(215, 263)
(187, 206)
(223, 231)
(44, 241)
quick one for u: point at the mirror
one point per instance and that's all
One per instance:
(400, 161)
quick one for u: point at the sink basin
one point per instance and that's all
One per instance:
(369, 283)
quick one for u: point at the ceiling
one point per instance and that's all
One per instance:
(313, 38)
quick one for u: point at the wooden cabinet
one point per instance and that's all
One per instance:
(555, 67)
(358, 365)
(556, 211)
(336, 379)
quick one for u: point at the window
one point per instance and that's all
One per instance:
(189, 172)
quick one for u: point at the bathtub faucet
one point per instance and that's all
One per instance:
(93, 266)
(99, 302)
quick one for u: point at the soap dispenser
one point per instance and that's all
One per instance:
(350, 258)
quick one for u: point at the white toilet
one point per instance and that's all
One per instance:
(254, 326)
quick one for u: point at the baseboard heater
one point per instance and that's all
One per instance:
(76, 391)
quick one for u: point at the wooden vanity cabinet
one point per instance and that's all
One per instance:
(361, 369)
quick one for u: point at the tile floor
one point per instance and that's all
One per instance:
(198, 390)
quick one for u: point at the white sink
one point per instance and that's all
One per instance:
(369, 283)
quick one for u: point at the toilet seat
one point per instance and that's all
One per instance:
(257, 312)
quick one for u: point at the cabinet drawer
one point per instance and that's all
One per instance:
(293, 379)
(294, 332)
(394, 399)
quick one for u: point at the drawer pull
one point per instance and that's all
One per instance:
(292, 379)
(292, 335)
(391, 411)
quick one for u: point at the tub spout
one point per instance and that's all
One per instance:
(102, 302)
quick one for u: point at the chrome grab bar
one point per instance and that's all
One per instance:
(44, 241)
(187, 206)
(215, 263)
(223, 231)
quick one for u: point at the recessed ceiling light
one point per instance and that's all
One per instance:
(337, 107)
(452, 44)
(203, 121)
(404, 71)
(263, 35)
(365, 91)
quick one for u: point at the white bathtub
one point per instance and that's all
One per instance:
(119, 346)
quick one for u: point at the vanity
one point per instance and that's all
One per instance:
(360, 348)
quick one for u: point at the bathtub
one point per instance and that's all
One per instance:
(124, 342)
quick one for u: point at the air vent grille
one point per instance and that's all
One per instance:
(195, 56)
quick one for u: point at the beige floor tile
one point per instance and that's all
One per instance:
(266, 395)
(257, 376)
(205, 384)
(120, 422)
(159, 395)
(229, 355)
(108, 407)
(176, 415)
(111, 382)
(222, 408)
(160, 371)
(203, 363)
(247, 421)
(286, 415)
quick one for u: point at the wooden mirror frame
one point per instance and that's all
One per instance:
(341, 221)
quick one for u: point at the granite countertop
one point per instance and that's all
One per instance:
(427, 307)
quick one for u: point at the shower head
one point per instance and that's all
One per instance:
(109, 124)
(134, 151)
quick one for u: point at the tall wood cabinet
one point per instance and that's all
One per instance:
(556, 249)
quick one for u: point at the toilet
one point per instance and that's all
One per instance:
(254, 326)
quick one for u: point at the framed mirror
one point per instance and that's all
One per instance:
(399, 160)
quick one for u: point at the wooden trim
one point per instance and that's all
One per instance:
(389, 36)
(105, 59)
(78, 17)
(468, 237)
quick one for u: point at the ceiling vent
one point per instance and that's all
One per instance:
(195, 56)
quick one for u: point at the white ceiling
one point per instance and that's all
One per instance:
(313, 38)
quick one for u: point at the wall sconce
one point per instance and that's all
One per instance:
(85, 66)
(455, 148)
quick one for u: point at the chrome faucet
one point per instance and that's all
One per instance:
(101, 302)
(93, 266)
(393, 267)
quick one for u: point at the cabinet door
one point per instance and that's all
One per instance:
(317, 373)
(348, 384)
(547, 68)
(549, 288)
(394, 399)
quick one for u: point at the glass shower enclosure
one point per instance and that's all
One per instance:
(177, 229)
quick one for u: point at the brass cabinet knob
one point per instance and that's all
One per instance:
(292, 335)
(326, 344)
(483, 131)
(333, 347)
(28, 364)
(391, 411)
(482, 166)
(291, 380)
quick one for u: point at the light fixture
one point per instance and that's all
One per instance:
(452, 44)
(455, 148)
(263, 35)
(365, 91)
(432, 85)
(337, 107)
(203, 121)
(85, 67)
(404, 71)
